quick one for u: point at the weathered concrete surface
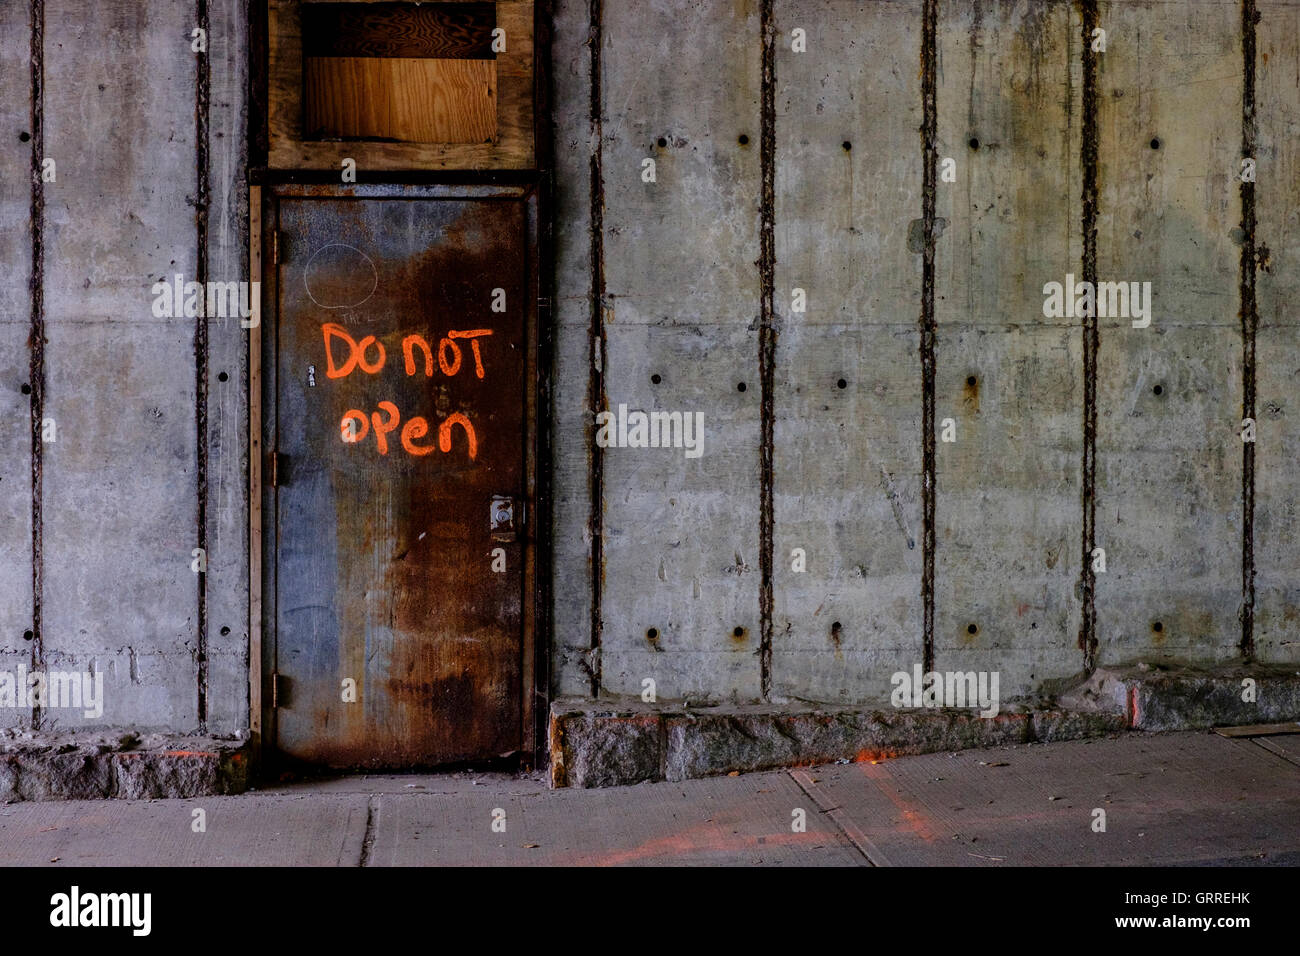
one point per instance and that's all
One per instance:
(248, 830)
(591, 747)
(681, 535)
(1008, 521)
(120, 500)
(226, 580)
(848, 378)
(1169, 396)
(96, 765)
(1182, 698)
(15, 354)
(1187, 798)
(572, 416)
(744, 822)
(1180, 799)
(1277, 412)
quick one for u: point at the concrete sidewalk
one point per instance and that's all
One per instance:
(1190, 798)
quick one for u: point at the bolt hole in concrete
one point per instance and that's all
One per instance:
(1157, 627)
(841, 384)
(652, 634)
(26, 389)
(970, 380)
(655, 379)
(1155, 144)
(28, 635)
(740, 386)
(847, 145)
(1159, 389)
(662, 142)
(737, 631)
(223, 377)
(972, 629)
(974, 143)
(225, 631)
(743, 140)
(24, 137)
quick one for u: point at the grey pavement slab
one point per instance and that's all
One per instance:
(245, 830)
(740, 821)
(1175, 799)
(1286, 746)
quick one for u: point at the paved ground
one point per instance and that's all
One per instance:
(1195, 799)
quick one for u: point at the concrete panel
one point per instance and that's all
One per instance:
(120, 496)
(1008, 521)
(572, 416)
(1169, 396)
(848, 392)
(227, 424)
(681, 535)
(848, 495)
(1277, 289)
(682, 249)
(15, 354)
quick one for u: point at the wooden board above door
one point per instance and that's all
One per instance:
(446, 84)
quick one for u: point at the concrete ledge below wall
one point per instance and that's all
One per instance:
(605, 744)
(91, 766)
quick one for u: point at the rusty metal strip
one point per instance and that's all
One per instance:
(597, 401)
(1091, 342)
(36, 340)
(201, 115)
(1249, 324)
(929, 127)
(767, 348)
(255, 545)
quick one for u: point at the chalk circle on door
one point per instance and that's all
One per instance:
(339, 276)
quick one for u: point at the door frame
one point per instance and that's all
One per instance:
(535, 636)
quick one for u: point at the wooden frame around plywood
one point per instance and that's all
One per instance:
(513, 147)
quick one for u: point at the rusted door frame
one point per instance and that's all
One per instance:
(535, 637)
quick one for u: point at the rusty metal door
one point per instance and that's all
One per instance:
(401, 477)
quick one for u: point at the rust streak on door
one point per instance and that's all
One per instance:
(400, 401)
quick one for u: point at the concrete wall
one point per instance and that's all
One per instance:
(1187, 520)
(147, 138)
(683, 570)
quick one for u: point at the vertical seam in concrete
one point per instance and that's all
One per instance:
(36, 341)
(201, 105)
(1249, 324)
(929, 127)
(596, 398)
(767, 346)
(1091, 341)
